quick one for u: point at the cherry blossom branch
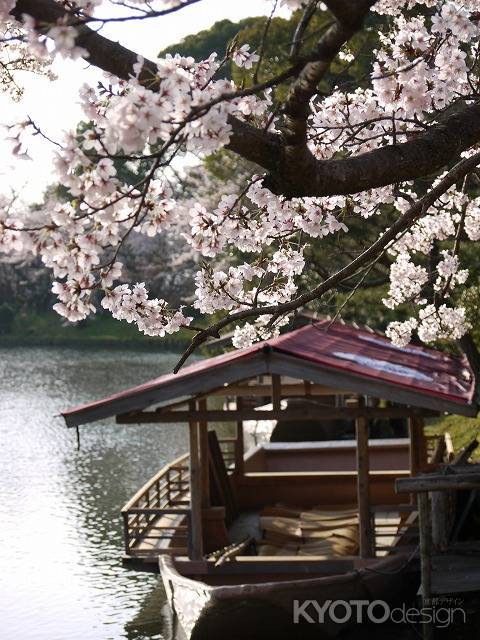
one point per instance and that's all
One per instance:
(462, 168)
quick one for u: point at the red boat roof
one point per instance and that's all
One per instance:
(338, 355)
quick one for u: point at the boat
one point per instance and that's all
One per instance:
(239, 535)
(264, 610)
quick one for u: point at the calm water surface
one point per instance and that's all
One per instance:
(60, 532)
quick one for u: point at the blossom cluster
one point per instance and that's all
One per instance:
(426, 61)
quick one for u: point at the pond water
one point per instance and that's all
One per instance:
(61, 576)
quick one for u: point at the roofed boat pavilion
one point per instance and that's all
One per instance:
(321, 373)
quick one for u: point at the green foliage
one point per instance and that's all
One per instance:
(215, 39)
(276, 47)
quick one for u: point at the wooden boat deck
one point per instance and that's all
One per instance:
(157, 520)
(158, 536)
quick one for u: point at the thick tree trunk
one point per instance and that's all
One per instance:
(470, 349)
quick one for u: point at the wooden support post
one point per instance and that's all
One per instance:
(425, 558)
(204, 463)
(440, 520)
(414, 450)
(363, 489)
(276, 392)
(414, 446)
(239, 444)
(195, 490)
(422, 444)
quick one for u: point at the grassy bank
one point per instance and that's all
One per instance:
(462, 430)
(48, 329)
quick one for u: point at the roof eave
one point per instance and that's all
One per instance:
(196, 383)
(284, 364)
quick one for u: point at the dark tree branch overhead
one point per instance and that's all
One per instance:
(425, 154)
(304, 87)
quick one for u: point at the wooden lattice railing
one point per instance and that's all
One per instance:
(157, 518)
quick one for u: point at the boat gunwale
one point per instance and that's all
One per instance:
(170, 574)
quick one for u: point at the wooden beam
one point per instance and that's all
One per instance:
(239, 444)
(363, 489)
(306, 389)
(195, 491)
(438, 482)
(310, 412)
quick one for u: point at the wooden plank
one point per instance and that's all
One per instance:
(310, 412)
(438, 482)
(195, 492)
(388, 473)
(363, 489)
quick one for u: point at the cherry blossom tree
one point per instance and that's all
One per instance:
(398, 149)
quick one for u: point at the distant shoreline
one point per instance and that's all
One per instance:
(99, 331)
(157, 345)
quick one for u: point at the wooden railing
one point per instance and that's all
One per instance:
(395, 528)
(157, 518)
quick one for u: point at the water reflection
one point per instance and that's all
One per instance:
(60, 533)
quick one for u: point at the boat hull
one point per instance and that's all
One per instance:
(263, 610)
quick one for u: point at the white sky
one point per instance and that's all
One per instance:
(54, 105)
